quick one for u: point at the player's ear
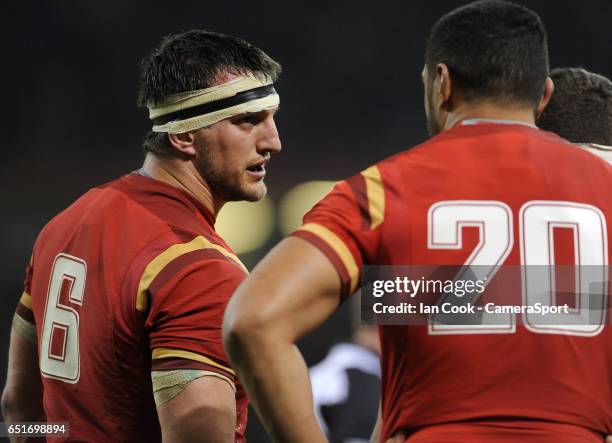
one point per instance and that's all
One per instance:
(443, 85)
(549, 89)
(184, 143)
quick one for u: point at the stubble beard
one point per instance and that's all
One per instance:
(229, 188)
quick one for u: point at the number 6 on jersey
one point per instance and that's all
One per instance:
(59, 353)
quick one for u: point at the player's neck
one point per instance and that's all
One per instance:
(183, 175)
(489, 111)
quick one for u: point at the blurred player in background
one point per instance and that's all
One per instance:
(346, 384)
(488, 189)
(580, 110)
(125, 292)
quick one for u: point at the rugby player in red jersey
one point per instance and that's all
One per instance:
(118, 331)
(488, 189)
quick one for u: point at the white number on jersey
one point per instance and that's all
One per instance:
(59, 353)
(537, 219)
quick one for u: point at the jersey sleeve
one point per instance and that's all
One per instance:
(346, 225)
(187, 302)
(23, 320)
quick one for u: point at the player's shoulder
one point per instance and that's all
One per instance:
(80, 211)
(580, 157)
(182, 247)
(172, 258)
(456, 146)
(145, 206)
(472, 134)
(366, 189)
(601, 151)
(387, 173)
(164, 203)
(144, 216)
(108, 208)
(385, 177)
(205, 249)
(183, 230)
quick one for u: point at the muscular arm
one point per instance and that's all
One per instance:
(205, 412)
(191, 375)
(23, 392)
(293, 290)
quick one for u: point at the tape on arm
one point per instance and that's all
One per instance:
(169, 384)
(24, 328)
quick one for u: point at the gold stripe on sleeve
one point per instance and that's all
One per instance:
(339, 248)
(376, 196)
(179, 353)
(26, 300)
(156, 265)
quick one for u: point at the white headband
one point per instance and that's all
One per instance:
(192, 110)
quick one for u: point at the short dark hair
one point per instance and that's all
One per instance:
(494, 50)
(580, 109)
(194, 60)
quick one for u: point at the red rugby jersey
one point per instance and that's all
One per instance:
(485, 193)
(130, 278)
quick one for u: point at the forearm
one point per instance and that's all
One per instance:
(21, 406)
(22, 397)
(269, 312)
(276, 378)
(15, 409)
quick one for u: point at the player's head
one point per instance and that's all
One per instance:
(580, 109)
(211, 100)
(487, 51)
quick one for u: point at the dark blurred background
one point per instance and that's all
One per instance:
(350, 95)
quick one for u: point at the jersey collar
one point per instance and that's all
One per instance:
(476, 121)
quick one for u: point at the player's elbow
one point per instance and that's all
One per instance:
(14, 408)
(247, 329)
(241, 330)
(8, 403)
(22, 398)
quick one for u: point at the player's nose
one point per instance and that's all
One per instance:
(269, 140)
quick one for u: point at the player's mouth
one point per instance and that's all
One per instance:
(258, 170)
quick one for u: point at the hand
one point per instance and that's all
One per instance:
(609, 439)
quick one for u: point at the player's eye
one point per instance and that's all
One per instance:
(248, 119)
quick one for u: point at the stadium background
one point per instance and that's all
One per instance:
(350, 95)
